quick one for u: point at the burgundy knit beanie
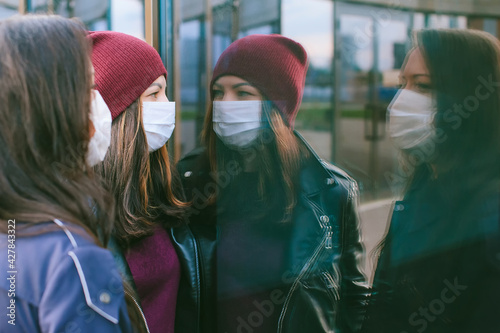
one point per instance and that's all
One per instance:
(274, 64)
(124, 66)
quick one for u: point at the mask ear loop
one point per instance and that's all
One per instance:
(267, 134)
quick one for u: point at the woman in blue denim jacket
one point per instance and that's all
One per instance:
(55, 276)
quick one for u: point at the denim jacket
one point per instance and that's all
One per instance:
(59, 281)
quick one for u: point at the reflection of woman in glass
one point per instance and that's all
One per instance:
(439, 269)
(284, 222)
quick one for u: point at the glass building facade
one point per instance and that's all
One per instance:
(355, 48)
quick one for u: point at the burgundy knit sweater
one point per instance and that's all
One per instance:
(155, 268)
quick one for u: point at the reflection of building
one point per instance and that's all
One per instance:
(355, 48)
(8, 8)
(121, 15)
(190, 62)
(399, 51)
(369, 39)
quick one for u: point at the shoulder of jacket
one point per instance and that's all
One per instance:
(100, 281)
(337, 172)
(191, 163)
(334, 171)
(192, 155)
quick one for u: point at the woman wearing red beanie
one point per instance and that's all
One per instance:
(277, 227)
(131, 77)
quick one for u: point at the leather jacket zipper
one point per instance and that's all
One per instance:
(329, 237)
(324, 223)
(326, 242)
(140, 310)
(304, 270)
(331, 285)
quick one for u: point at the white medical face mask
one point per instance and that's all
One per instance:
(101, 119)
(159, 123)
(237, 123)
(411, 117)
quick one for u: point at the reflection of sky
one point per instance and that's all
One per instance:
(394, 32)
(310, 23)
(360, 29)
(190, 29)
(360, 44)
(7, 12)
(127, 16)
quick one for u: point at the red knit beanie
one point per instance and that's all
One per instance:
(274, 64)
(124, 66)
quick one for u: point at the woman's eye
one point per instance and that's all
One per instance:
(153, 94)
(424, 86)
(218, 93)
(243, 93)
(401, 84)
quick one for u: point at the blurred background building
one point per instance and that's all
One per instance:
(356, 48)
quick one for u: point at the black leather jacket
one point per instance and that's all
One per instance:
(187, 299)
(327, 291)
(439, 268)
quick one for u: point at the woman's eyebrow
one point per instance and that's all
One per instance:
(155, 85)
(237, 85)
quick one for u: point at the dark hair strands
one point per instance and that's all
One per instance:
(458, 61)
(45, 126)
(466, 163)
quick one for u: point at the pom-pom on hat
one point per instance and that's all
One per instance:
(125, 67)
(274, 64)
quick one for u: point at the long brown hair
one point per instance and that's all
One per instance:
(468, 149)
(146, 188)
(279, 157)
(45, 83)
(466, 158)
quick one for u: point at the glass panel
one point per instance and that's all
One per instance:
(490, 25)
(418, 21)
(439, 21)
(191, 86)
(357, 59)
(462, 22)
(127, 16)
(263, 30)
(315, 33)
(8, 8)
(222, 30)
